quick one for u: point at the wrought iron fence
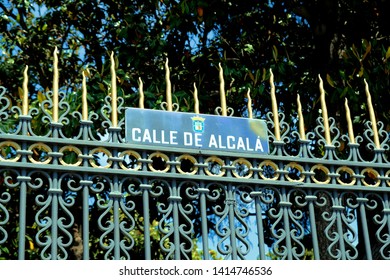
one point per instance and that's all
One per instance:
(316, 195)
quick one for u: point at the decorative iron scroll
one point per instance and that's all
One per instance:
(90, 197)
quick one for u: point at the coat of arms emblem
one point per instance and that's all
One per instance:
(198, 124)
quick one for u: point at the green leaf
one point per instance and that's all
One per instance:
(41, 97)
(20, 92)
(251, 76)
(249, 48)
(275, 53)
(387, 53)
(368, 50)
(355, 52)
(361, 72)
(330, 81)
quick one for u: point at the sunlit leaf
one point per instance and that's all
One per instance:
(20, 92)
(388, 53)
(41, 97)
(275, 53)
(330, 81)
(368, 50)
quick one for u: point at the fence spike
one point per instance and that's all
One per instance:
(274, 106)
(25, 92)
(372, 115)
(300, 119)
(84, 97)
(196, 103)
(55, 85)
(248, 94)
(168, 86)
(114, 110)
(222, 91)
(324, 112)
(141, 93)
(349, 122)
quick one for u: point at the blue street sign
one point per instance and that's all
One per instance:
(196, 131)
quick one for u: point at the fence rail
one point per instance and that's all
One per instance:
(316, 195)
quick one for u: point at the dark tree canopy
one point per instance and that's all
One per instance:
(344, 41)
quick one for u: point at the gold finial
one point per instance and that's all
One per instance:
(349, 122)
(372, 115)
(55, 85)
(274, 106)
(196, 103)
(141, 93)
(222, 91)
(250, 114)
(84, 96)
(25, 92)
(114, 112)
(324, 112)
(301, 120)
(168, 87)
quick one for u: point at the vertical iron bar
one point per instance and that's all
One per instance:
(54, 192)
(85, 228)
(362, 210)
(23, 192)
(145, 187)
(116, 193)
(259, 215)
(116, 197)
(284, 204)
(174, 199)
(54, 216)
(386, 213)
(22, 218)
(230, 200)
(386, 205)
(259, 223)
(86, 184)
(363, 218)
(338, 209)
(145, 199)
(202, 196)
(311, 198)
(286, 223)
(203, 217)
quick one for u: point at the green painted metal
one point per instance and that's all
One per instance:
(305, 199)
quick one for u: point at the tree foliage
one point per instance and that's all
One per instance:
(344, 41)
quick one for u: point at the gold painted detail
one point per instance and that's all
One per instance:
(268, 170)
(371, 177)
(243, 168)
(321, 174)
(70, 156)
(346, 176)
(100, 158)
(295, 172)
(388, 176)
(188, 164)
(130, 160)
(214, 166)
(8, 151)
(159, 162)
(40, 153)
